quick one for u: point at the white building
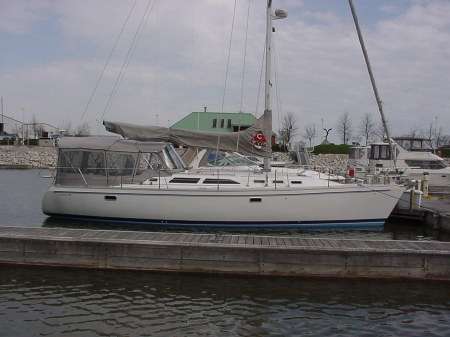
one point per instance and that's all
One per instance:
(10, 126)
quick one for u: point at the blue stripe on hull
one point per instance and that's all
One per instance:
(244, 224)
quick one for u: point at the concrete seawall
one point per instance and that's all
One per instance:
(238, 254)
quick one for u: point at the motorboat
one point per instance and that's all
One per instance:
(408, 161)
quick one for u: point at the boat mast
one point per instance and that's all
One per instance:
(372, 80)
(279, 14)
(268, 84)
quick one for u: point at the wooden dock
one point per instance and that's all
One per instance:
(225, 253)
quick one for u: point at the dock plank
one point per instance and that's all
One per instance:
(265, 241)
(234, 239)
(249, 239)
(272, 241)
(241, 240)
(227, 239)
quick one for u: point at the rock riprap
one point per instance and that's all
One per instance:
(33, 156)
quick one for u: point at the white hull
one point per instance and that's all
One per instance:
(436, 178)
(343, 205)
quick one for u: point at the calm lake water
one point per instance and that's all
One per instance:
(70, 302)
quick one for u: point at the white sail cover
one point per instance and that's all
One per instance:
(256, 140)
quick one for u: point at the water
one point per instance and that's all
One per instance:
(40, 301)
(52, 302)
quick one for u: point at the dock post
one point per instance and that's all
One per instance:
(426, 178)
(412, 192)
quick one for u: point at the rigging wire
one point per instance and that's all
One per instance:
(129, 55)
(260, 80)
(228, 58)
(107, 61)
(277, 84)
(191, 70)
(243, 74)
(245, 56)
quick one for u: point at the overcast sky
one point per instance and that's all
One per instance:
(53, 53)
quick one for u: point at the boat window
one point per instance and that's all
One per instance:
(90, 162)
(151, 161)
(380, 152)
(229, 124)
(375, 153)
(120, 164)
(219, 162)
(79, 167)
(222, 123)
(94, 163)
(296, 182)
(214, 124)
(357, 153)
(173, 161)
(259, 181)
(384, 152)
(180, 180)
(219, 181)
(278, 181)
(426, 164)
(225, 159)
(69, 161)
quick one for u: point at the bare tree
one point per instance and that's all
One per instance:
(367, 127)
(34, 127)
(344, 127)
(288, 128)
(380, 133)
(439, 138)
(310, 133)
(414, 131)
(83, 130)
(429, 133)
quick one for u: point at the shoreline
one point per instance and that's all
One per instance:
(27, 157)
(37, 157)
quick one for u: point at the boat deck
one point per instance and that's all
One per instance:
(225, 253)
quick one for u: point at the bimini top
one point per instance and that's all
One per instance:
(110, 143)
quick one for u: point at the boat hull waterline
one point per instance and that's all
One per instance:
(338, 206)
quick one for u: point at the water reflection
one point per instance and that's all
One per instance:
(43, 301)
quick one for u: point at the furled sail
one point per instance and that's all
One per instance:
(256, 140)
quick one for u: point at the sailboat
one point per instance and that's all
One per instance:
(142, 179)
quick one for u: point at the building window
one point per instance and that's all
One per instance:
(214, 123)
(222, 123)
(229, 124)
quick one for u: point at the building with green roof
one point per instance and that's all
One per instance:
(216, 121)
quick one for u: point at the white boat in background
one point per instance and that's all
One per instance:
(141, 179)
(412, 161)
